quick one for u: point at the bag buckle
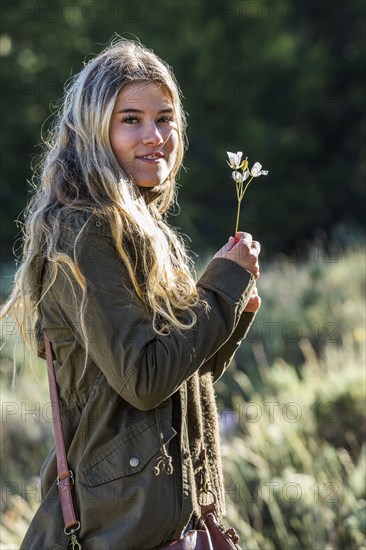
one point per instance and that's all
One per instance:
(65, 475)
(74, 543)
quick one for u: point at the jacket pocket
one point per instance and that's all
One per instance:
(127, 453)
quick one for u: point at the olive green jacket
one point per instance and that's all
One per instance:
(108, 403)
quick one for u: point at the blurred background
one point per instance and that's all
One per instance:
(282, 82)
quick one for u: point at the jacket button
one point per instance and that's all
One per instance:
(134, 461)
(98, 224)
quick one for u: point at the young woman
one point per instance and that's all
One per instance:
(137, 343)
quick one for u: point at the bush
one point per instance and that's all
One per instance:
(292, 436)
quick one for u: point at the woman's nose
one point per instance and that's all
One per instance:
(152, 135)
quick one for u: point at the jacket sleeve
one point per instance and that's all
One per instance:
(143, 367)
(219, 362)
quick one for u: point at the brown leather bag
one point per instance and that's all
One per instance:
(208, 535)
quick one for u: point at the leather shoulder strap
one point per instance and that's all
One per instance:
(65, 478)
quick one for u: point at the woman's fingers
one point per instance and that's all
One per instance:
(248, 257)
(243, 236)
(254, 302)
(230, 244)
(226, 248)
(242, 250)
(256, 245)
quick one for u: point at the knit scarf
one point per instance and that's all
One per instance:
(203, 430)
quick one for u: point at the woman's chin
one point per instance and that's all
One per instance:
(149, 184)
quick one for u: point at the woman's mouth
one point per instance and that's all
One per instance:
(151, 157)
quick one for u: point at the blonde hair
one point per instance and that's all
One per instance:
(79, 172)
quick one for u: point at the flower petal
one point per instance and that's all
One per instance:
(234, 159)
(246, 175)
(257, 170)
(237, 177)
(239, 154)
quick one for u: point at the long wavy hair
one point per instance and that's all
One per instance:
(78, 171)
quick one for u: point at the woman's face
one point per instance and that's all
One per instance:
(144, 133)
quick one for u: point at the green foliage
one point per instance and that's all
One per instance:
(294, 467)
(281, 81)
(307, 307)
(294, 452)
(26, 436)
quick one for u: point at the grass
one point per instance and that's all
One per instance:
(294, 459)
(293, 412)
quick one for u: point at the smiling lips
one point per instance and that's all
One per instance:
(151, 157)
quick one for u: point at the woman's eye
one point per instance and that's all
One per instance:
(166, 119)
(130, 119)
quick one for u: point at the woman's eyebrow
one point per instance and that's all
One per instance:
(128, 110)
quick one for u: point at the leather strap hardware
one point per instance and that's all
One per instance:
(72, 530)
(66, 475)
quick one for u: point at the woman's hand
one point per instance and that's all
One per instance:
(242, 250)
(254, 302)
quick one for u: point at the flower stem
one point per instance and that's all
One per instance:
(246, 187)
(240, 193)
(237, 217)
